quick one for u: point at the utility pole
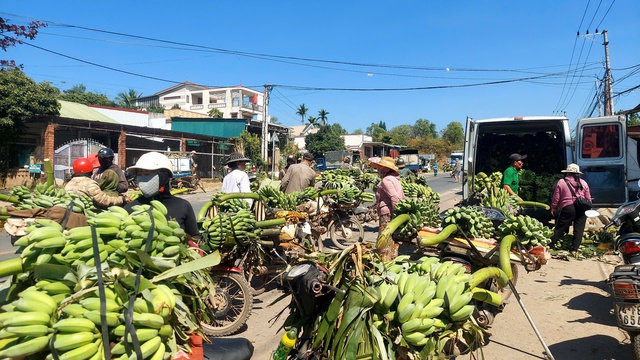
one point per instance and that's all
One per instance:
(265, 123)
(608, 91)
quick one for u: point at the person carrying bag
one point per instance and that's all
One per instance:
(571, 198)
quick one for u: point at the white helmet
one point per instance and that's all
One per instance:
(152, 161)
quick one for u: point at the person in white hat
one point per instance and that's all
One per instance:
(153, 172)
(564, 209)
(237, 180)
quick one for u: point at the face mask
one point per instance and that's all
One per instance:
(149, 184)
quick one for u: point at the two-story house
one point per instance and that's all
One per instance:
(236, 102)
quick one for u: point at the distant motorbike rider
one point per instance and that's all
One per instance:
(403, 171)
(346, 163)
(153, 172)
(105, 157)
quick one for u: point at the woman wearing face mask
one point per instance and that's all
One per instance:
(388, 194)
(153, 172)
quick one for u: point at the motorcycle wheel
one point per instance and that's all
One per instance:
(345, 232)
(635, 344)
(231, 304)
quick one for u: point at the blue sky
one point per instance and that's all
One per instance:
(429, 57)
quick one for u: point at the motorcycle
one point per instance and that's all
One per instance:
(340, 222)
(625, 279)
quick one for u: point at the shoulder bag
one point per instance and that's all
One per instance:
(581, 203)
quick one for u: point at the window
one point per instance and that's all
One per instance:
(601, 141)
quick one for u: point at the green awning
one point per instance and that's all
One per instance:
(223, 128)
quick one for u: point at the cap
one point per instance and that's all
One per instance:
(572, 168)
(516, 157)
(308, 156)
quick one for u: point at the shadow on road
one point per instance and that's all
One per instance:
(591, 347)
(596, 305)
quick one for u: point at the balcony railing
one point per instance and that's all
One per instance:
(196, 107)
(217, 106)
(251, 106)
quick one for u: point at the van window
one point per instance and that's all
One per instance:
(601, 141)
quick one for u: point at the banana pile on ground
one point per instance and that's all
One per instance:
(398, 309)
(415, 190)
(55, 277)
(528, 230)
(471, 221)
(228, 230)
(422, 212)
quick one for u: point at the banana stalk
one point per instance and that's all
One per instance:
(11, 267)
(487, 273)
(48, 168)
(9, 198)
(534, 204)
(385, 244)
(230, 196)
(504, 258)
(440, 237)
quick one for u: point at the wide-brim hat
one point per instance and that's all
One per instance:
(386, 162)
(236, 157)
(573, 169)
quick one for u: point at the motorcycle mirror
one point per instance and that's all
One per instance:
(592, 213)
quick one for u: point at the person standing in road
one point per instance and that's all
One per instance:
(403, 171)
(299, 176)
(193, 159)
(388, 194)
(435, 168)
(510, 179)
(457, 167)
(564, 210)
(237, 180)
(105, 158)
(291, 159)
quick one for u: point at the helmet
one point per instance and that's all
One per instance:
(235, 157)
(93, 157)
(152, 161)
(346, 159)
(400, 162)
(105, 153)
(291, 159)
(82, 166)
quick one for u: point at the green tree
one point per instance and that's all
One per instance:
(454, 134)
(79, 94)
(302, 111)
(20, 99)
(275, 120)
(401, 134)
(358, 131)
(326, 139)
(312, 120)
(425, 128)
(252, 147)
(322, 115)
(127, 100)
(155, 108)
(215, 113)
(378, 132)
(633, 120)
(13, 34)
(339, 129)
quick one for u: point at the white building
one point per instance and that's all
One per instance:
(236, 102)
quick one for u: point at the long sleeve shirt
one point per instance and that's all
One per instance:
(562, 195)
(297, 178)
(123, 184)
(82, 185)
(389, 193)
(178, 209)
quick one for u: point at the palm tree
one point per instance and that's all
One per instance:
(322, 115)
(312, 120)
(126, 100)
(302, 111)
(215, 113)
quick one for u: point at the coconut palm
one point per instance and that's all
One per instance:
(312, 120)
(322, 115)
(127, 100)
(215, 113)
(302, 111)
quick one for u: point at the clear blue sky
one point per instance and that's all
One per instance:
(529, 49)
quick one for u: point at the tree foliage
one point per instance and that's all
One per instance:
(252, 147)
(20, 99)
(378, 132)
(326, 139)
(401, 134)
(633, 120)
(454, 134)
(126, 100)
(302, 111)
(425, 128)
(322, 116)
(215, 113)
(79, 94)
(12, 35)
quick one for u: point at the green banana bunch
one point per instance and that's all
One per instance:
(336, 179)
(229, 230)
(419, 191)
(473, 222)
(528, 230)
(421, 213)
(277, 199)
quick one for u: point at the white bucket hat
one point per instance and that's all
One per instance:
(572, 168)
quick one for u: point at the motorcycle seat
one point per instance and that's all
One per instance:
(228, 349)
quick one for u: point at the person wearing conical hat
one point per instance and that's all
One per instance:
(389, 191)
(564, 210)
(237, 180)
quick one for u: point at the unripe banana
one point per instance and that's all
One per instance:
(457, 303)
(112, 318)
(29, 304)
(25, 348)
(411, 325)
(74, 325)
(82, 352)
(66, 342)
(77, 234)
(159, 206)
(74, 310)
(17, 318)
(93, 303)
(148, 320)
(52, 242)
(29, 330)
(462, 314)
(43, 233)
(148, 348)
(49, 223)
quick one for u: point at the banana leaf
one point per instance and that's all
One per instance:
(210, 260)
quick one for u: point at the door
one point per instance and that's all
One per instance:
(602, 156)
(468, 168)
